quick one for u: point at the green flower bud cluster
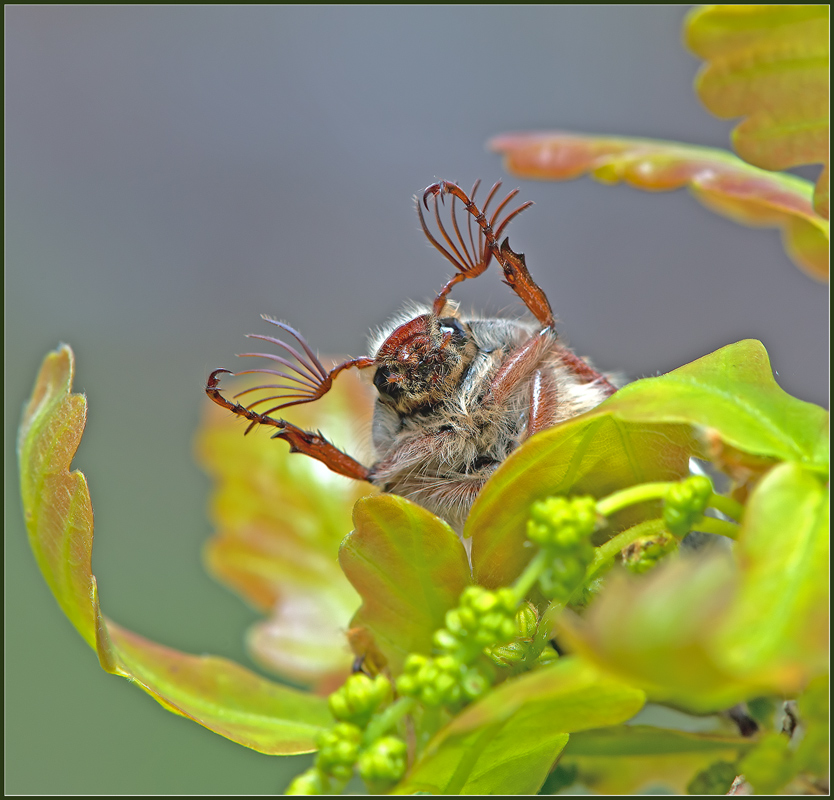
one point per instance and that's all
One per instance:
(338, 750)
(562, 527)
(358, 699)
(685, 502)
(442, 680)
(482, 619)
(381, 761)
(642, 554)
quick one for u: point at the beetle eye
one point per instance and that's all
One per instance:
(384, 385)
(453, 325)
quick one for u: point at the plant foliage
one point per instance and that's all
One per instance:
(576, 633)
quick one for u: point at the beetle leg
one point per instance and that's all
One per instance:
(300, 441)
(470, 260)
(543, 403)
(524, 362)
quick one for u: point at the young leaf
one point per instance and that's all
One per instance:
(777, 626)
(217, 693)
(655, 632)
(769, 64)
(280, 519)
(639, 759)
(708, 634)
(731, 394)
(727, 400)
(593, 454)
(646, 740)
(506, 742)
(410, 568)
(723, 183)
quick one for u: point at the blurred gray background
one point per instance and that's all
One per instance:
(172, 173)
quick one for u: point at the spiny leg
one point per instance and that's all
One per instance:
(303, 379)
(516, 274)
(300, 441)
(470, 260)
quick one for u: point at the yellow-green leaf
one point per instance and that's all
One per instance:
(708, 633)
(777, 626)
(768, 64)
(410, 568)
(220, 695)
(506, 742)
(723, 183)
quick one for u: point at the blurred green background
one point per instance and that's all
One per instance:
(172, 172)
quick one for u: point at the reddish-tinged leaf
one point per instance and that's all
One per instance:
(722, 182)
(280, 519)
(410, 568)
(769, 64)
(217, 693)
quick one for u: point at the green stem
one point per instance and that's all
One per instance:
(726, 505)
(606, 553)
(531, 574)
(718, 526)
(388, 719)
(634, 494)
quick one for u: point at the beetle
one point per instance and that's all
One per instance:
(456, 393)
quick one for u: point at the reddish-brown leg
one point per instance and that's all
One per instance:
(470, 260)
(519, 365)
(517, 275)
(523, 363)
(585, 371)
(300, 441)
(543, 403)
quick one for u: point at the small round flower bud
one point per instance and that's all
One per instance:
(338, 750)
(685, 503)
(359, 697)
(445, 640)
(383, 763)
(526, 621)
(561, 522)
(309, 782)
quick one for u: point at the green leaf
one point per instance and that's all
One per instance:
(731, 394)
(56, 502)
(279, 521)
(637, 759)
(409, 567)
(594, 454)
(725, 406)
(217, 693)
(777, 626)
(769, 64)
(723, 183)
(707, 634)
(655, 632)
(507, 742)
(647, 740)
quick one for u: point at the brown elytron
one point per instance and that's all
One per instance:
(456, 394)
